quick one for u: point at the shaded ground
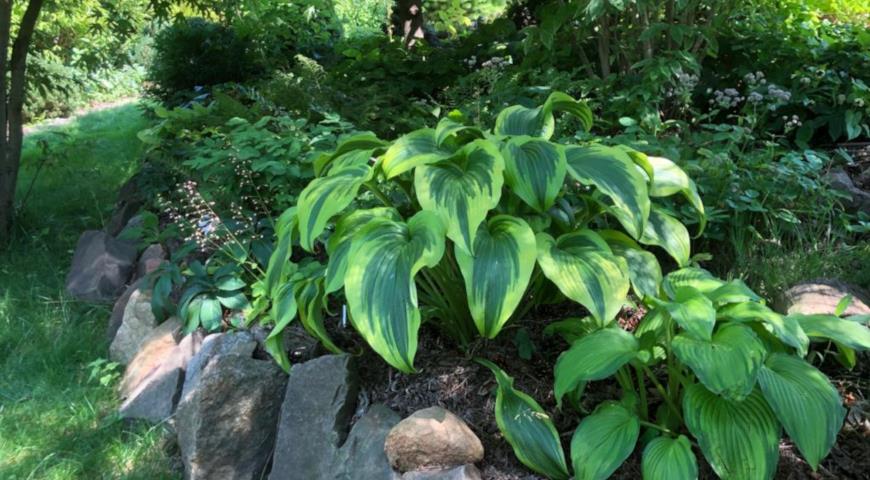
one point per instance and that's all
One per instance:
(56, 423)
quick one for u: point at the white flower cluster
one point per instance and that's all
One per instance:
(756, 78)
(471, 61)
(791, 123)
(497, 62)
(779, 94)
(685, 84)
(728, 98)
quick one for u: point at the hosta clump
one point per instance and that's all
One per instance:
(730, 375)
(469, 228)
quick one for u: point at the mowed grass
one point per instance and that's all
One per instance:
(55, 422)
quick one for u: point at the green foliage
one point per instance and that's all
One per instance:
(194, 53)
(738, 388)
(451, 181)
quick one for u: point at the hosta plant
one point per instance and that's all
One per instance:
(469, 228)
(729, 376)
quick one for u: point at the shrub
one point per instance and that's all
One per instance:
(194, 53)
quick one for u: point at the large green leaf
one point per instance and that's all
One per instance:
(309, 290)
(667, 458)
(417, 148)
(497, 275)
(670, 179)
(734, 291)
(593, 357)
(805, 402)
(325, 197)
(667, 232)
(728, 364)
(739, 439)
(534, 170)
(339, 242)
(693, 312)
(462, 190)
(584, 269)
(602, 441)
(643, 267)
(379, 283)
(527, 428)
(366, 141)
(694, 277)
(539, 122)
(280, 267)
(842, 330)
(786, 329)
(612, 171)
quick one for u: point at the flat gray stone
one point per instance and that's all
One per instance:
(101, 267)
(118, 309)
(220, 344)
(362, 455)
(155, 399)
(318, 405)
(226, 419)
(137, 324)
(150, 260)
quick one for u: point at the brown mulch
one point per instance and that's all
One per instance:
(449, 377)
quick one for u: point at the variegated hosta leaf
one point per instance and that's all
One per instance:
(805, 402)
(842, 330)
(339, 242)
(280, 267)
(462, 190)
(419, 147)
(694, 277)
(385, 256)
(325, 197)
(602, 441)
(362, 141)
(497, 275)
(739, 439)
(693, 312)
(667, 232)
(728, 364)
(643, 267)
(539, 122)
(527, 428)
(534, 170)
(308, 288)
(788, 330)
(447, 128)
(670, 179)
(612, 171)
(734, 291)
(593, 357)
(283, 312)
(584, 269)
(667, 458)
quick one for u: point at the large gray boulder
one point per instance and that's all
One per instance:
(318, 405)
(822, 296)
(101, 267)
(117, 316)
(228, 412)
(362, 455)
(137, 323)
(857, 199)
(152, 383)
(150, 260)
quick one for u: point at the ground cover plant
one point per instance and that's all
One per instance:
(568, 221)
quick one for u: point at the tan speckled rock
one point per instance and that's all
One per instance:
(432, 437)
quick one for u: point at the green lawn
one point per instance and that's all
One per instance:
(54, 422)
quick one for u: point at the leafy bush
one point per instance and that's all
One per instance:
(194, 53)
(734, 378)
(463, 212)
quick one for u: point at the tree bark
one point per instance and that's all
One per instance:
(12, 96)
(604, 45)
(409, 21)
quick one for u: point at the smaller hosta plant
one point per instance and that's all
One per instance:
(729, 373)
(469, 228)
(207, 292)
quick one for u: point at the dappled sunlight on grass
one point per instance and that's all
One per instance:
(55, 422)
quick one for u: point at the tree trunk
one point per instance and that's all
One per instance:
(409, 21)
(604, 46)
(12, 93)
